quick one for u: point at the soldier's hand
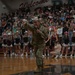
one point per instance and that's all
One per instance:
(38, 31)
(45, 42)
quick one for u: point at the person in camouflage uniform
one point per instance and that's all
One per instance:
(40, 32)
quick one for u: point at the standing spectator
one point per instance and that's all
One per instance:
(73, 44)
(65, 29)
(4, 45)
(70, 35)
(65, 44)
(59, 33)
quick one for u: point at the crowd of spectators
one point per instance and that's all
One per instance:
(33, 3)
(17, 39)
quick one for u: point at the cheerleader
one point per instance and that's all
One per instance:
(73, 44)
(25, 43)
(70, 34)
(65, 44)
(30, 46)
(17, 40)
(0, 43)
(9, 42)
(53, 39)
(47, 42)
(4, 44)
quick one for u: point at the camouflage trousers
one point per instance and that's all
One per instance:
(38, 54)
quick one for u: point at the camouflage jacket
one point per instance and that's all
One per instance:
(38, 38)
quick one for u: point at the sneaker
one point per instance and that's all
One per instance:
(65, 56)
(43, 56)
(4, 54)
(11, 54)
(48, 55)
(26, 55)
(56, 56)
(22, 55)
(16, 55)
(61, 56)
(71, 56)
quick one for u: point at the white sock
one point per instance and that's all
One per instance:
(71, 55)
(65, 56)
(11, 54)
(4, 54)
(56, 57)
(61, 56)
(48, 54)
(26, 54)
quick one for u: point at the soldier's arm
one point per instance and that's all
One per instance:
(40, 32)
(47, 39)
(45, 32)
(30, 27)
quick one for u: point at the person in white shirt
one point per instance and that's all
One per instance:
(59, 33)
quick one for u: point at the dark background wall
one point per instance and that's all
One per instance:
(11, 5)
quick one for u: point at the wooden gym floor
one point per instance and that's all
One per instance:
(15, 65)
